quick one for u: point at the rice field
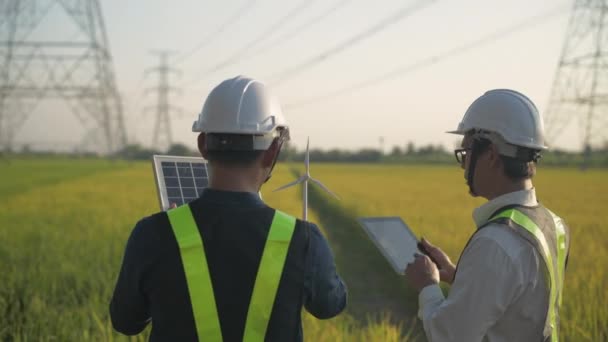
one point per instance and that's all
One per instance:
(64, 224)
(434, 202)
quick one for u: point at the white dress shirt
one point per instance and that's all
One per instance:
(499, 292)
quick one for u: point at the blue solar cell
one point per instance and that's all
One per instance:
(189, 192)
(199, 171)
(201, 182)
(171, 182)
(169, 172)
(187, 182)
(184, 171)
(174, 192)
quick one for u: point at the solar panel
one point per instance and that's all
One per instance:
(179, 180)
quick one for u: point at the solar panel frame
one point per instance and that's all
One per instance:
(170, 174)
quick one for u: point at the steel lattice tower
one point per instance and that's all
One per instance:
(77, 70)
(162, 137)
(580, 88)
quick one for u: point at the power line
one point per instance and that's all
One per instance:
(209, 38)
(237, 56)
(340, 47)
(287, 36)
(136, 95)
(402, 70)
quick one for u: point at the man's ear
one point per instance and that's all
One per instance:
(271, 153)
(202, 145)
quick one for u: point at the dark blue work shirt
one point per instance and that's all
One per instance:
(151, 285)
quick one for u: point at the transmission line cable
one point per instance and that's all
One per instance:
(423, 63)
(209, 38)
(240, 54)
(401, 14)
(287, 36)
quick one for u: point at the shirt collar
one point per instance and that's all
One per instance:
(482, 214)
(241, 199)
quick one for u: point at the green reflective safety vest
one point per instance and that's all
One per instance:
(549, 236)
(200, 288)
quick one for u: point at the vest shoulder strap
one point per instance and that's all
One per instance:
(269, 276)
(196, 270)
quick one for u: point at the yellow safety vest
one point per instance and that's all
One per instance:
(199, 283)
(554, 259)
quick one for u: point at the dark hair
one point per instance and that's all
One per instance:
(232, 149)
(517, 169)
(234, 158)
(513, 168)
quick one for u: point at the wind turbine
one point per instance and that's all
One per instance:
(305, 178)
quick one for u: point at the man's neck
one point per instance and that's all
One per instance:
(235, 179)
(511, 186)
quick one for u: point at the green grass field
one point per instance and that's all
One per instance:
(435, 203)
(64, 224)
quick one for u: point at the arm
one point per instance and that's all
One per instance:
(129, 307)
(485, 284)
(325, 292)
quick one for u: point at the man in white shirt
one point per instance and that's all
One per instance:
(508, 282)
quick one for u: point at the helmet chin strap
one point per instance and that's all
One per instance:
(274, 162)
(470, 174)
(476, 149)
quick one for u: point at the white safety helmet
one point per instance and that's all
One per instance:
(243, 106)
(507, 118)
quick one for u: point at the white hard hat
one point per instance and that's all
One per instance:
(245, 106)
(506, 117)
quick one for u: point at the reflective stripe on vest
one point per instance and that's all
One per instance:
(200, 288)
(561, 251)
(555, 284)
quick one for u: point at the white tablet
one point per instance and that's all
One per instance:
(393, 238)
(179, 180)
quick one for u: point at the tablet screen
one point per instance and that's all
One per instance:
(394, 239)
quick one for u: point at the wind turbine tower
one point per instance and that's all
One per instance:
(304, 179)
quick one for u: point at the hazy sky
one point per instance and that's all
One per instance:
(418, 105)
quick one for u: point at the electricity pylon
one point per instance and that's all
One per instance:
(580, 88)
(38, 63)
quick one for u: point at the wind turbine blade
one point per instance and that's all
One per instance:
(296, 182)
(323, 187)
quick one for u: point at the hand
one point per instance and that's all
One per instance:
(446, 267)
(422, 272)
(172, 206)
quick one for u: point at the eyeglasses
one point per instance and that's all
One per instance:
(461, 154)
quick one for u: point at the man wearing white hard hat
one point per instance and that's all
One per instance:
(509, 280)
(258, 266)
